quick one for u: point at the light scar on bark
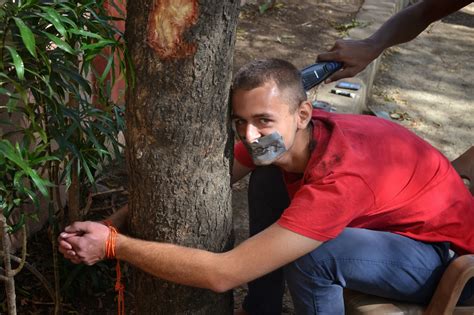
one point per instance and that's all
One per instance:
(167, 24)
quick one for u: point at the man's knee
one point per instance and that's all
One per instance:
(319, 264)
(326, 261)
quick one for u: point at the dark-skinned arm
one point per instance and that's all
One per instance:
(400, 28)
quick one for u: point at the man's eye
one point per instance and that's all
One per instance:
(238, 122)
(265, 121)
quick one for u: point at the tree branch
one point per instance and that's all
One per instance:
(33, 270)
(23, 253)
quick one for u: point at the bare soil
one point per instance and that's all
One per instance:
(292, 30)
(427, 84)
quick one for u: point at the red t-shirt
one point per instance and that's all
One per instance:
(371, 173)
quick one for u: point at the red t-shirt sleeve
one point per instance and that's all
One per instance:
(321, 210)
(242, 155)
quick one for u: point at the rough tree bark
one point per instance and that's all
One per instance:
(178, 142)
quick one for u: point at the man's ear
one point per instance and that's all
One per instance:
(304, 114)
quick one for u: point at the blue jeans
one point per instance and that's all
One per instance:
(374, 262)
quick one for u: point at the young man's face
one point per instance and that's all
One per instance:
(262, 111)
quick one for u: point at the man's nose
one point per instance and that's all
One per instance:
(252, 133)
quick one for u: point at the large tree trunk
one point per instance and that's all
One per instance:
(178, 142)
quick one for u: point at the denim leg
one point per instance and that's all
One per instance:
(267, 199)
(373, 262)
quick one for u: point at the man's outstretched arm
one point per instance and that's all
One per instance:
(400, 28)
(266, 251)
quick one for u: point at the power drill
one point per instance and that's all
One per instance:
(318, 72)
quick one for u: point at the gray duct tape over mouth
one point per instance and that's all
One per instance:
(265, 150)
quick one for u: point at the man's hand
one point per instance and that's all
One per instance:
(354, 54)
(84, 242)
(400, 28)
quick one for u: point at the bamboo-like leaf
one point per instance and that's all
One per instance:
(43, 159)
(60, 43)
(117, 8)
(19, 224)
(27, 36)
(55, 19)
(45, 79)
(45, 61)
(69, 8)
(99, 45)
(5, 92)
(18, 87)
(71, 130)
(32, 195)
(74, 76)
(11, 104)
(40, 151)
(66, 174)
(17, 62)
(15, 156)
(85, 33)
(87, 169)
(34, 73)
(5, 77)
(107, 69)
(42, 134)
(69, 22)
(7, 210)
(18, 179)
(40, 183)
(92, 137)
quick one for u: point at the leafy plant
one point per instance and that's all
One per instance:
(60, 123)
(20, 180)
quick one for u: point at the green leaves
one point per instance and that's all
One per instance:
(60, 43)
(49, 51)
(85, 33)
(18, 62)
(55, 19)
(15, 155)
(27, 36)
(19, 178)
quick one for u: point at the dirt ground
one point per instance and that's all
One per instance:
(428, 83)
(294, 30)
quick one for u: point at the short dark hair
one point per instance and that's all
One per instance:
(285, 75)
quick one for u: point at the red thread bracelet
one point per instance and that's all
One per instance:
(110, 245)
